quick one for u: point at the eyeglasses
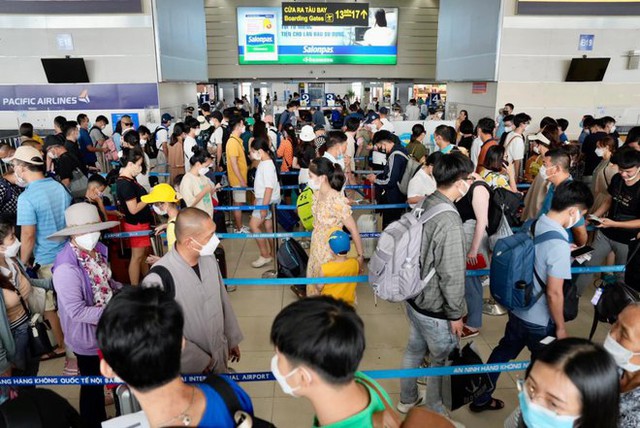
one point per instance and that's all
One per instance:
(470, 178)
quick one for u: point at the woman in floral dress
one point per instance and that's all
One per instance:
(331, 210)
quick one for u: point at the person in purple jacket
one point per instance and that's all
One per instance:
(84, 286)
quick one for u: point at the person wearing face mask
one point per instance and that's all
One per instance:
(540, 145)
(9, 193)
(87, 149)
(386, 183)
(571, 383)
(84, 287)
(15, 357)
(288, 145)
(211, 331)
(514, 142)
(331, 210)
(445, 138)
(267, 192)
(95, 196)
(190, 141)
(623, 343)
(552, 264)
(507, 110)
(319, 344)
(236, 161)
(619, 215)
(175, 150)
(196, 188)
(605, 171)
(597, 132)
(483, 143)
(137, 214)
(435, 315)
(556, 172)
(416, 146)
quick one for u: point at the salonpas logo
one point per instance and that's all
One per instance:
(317, 50)
(260, 39)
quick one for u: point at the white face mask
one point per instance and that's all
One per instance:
(508, 128)
(159, 211)
(613, 129)
(282, 380)
(466, 186)
(633, 177)
(21, 182)
(51, 155)
(202, 171)
(543, 172)
(143, 142)
(256, 156)
(620, 354)
(210, 247)
(599, 152)
(572, 222)
(12, 250)
(313, 185)
(536, 150)
(88, 241)
(120, 153)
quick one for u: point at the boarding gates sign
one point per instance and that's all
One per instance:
(135, 96)
(308, 33)
(328, 14)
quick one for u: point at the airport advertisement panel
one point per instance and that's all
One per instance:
(262, 39)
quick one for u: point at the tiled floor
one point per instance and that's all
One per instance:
(386, 335)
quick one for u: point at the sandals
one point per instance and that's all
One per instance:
(298, 292)
(493, 404)
(52, 355)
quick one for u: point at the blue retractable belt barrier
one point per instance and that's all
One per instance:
(268, 376)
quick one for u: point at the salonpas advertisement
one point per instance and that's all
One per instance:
(262, 39)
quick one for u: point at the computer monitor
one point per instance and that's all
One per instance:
(65, 70)
(587, 69)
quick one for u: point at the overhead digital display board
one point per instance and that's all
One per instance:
(578, 7)
(262, 39)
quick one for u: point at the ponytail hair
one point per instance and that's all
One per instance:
(333, 172)
(199, 155)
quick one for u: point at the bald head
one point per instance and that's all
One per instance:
(190, 223)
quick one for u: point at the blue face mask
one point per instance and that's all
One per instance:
(581, 124)
(536, 416)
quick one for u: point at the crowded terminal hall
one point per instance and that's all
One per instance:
(384, 214)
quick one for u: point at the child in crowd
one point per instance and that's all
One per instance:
(95, 196)
(165, 202)
(341, 265)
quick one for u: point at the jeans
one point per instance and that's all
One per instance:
(25, 364)
(473, 285)
(426, 335)
(92, 404)
(602, 246)
(517, 334)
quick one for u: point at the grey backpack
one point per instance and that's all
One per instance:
(394, 268)
(412, 167)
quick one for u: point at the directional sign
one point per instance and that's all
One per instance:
(586, 42)
(330, 14)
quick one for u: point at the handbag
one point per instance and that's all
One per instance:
(39, 343)
(460, 390)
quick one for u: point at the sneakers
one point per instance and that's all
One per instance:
(467, 333)
(243, 229)
(261, 261)
(70, 367)
(404, 408)
(231, 288)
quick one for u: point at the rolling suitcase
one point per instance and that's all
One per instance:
(368, 223)
(125, 401)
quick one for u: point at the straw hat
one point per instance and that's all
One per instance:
(82, 218)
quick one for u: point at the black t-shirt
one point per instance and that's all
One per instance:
(65, 165)
(127, 189)
(465, 205)
(305, 154)
(625, 205)
(74, 150)
(591, 160)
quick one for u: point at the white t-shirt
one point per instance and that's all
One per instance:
(422, 184)
(266, 176)
(476, 147)
(351, 148)
(189, 143)
(413, 112)
(387, 125)
(514, 147)
(162, 136)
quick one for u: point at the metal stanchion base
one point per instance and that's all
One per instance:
(271, 273)
(491, 307)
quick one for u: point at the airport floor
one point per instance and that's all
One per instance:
(386, 332)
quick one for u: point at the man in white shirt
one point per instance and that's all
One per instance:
(476, 146)
(216, 140)
(162, 142)
(413, 111)
(386, 123)
(514, 143)
(190, 142)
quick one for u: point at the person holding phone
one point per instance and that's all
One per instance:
(618, 218)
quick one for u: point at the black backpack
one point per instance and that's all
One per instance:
(151, 148)
(226, 133)
(503, 202)
(292, 260)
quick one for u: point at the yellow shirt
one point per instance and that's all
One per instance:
(345, 290)
(235, 149)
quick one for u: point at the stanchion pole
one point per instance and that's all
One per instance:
(273, 273)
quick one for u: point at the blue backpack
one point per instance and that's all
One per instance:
(512, 268)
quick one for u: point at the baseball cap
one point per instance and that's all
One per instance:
(166, 117)
(371, 117)
(307, 133)
(384, 110)
(339, 242)
(162, 192)
(28, 155)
